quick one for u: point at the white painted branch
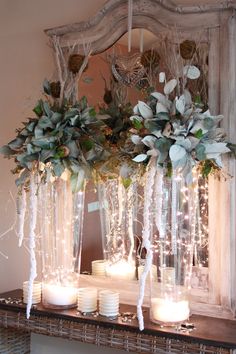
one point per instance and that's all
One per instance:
(21, 217)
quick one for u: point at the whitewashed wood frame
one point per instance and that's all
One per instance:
(217, 23)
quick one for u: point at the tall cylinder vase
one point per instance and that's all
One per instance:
(61, 231)
(173, 229)
(118, 214)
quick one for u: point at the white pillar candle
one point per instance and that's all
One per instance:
(121, 270)
(87, 299)
(36, 295)
(59, 295)
(99, 267)
(169, 311)
(108, 303)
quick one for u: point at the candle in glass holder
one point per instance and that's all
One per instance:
(87, 299)
(60, 296)
(121, 270)
(169, 311)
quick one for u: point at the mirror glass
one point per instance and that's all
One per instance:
(118, 78)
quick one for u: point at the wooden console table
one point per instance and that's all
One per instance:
(210, 335)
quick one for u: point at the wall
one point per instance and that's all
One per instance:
(25, 60)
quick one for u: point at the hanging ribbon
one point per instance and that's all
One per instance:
(130, 20)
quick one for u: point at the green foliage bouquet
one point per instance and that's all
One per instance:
(176, 130)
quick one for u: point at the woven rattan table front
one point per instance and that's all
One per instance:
(209, 336)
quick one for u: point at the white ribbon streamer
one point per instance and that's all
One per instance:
(147, 228)
(32, 226)
(21, 216)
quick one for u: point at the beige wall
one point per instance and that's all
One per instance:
(25, 60)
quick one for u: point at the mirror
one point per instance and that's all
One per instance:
(113, 83)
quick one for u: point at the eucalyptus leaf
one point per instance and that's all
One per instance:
(30, 126)
(208, 123)
(73, 148)
(191, 71)
(16, 143)
(44, 142)
(56, 117)
(38, 109)
(149, 141)
(136, 110)
(145, 110)
(136, 139)
(74, 165)
(162, 99)
(188, 98)
(32, 149)
(180, 104)
(46, 87)
(6, 151)
(170, 86)
(197, 125)
(58, 168)
(160, 108)
(38, 132)
(200, 152)
(45, 122)
(177, 153)
(162, 116)
(46, 154)
(140, 158)
(77, 181)
(47, 109)
(163, 145)
(214, 149)
(24, 175)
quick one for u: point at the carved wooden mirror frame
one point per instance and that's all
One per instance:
(218, 23)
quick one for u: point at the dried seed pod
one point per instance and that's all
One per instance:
(75, 62)
(55, 88)
(107, 98)
(187, 49)
(150, 58)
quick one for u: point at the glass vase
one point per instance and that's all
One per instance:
(61, 232)
(173, 216)
(118, 215)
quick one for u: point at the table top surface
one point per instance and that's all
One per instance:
(207, 330)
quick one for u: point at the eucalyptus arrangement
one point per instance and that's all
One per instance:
(60, 138)
(175, 129)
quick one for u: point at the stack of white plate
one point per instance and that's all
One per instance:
(87, 299)
(99, 267)
(108, 303)
(37, 290)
